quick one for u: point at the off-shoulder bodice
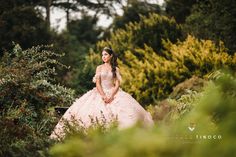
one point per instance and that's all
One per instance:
(106, 77)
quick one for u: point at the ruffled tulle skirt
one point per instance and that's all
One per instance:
(90, 106)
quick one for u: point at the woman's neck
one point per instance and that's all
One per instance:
(107, 64)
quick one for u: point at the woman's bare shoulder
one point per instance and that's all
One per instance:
(99, 66)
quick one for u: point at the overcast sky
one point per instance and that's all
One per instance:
(58, 19)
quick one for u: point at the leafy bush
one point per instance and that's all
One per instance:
(193, 84)
(179, 102)
(207, 22)
(27, 91)
(21, 22)
(132, 12)
(20, 139)
(81, 77)
(28, 76)
(150, 77)
(150, 30)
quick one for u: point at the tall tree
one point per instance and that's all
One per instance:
(21, 22)
(79, 6)
(179, 9)
(81, 36)
(215, 20)
(132, 11)
(85, 29)
(150, 30)
(47, 5)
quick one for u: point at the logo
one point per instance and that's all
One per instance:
(191, 126)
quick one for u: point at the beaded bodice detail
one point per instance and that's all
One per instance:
(106, 77)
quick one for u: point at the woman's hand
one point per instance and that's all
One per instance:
(104, 98)
(109, 99)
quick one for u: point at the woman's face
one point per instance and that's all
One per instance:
(106, 57)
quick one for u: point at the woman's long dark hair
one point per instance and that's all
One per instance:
(113, 62)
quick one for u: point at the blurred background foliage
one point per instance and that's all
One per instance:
(170, 57)
(149, 30)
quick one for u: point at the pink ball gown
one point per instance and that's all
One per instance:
(124, 107)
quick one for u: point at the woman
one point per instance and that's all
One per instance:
(105, 101)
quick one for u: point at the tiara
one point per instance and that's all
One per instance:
(107, 48)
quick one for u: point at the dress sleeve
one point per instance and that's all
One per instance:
(118, 74)
(97, 75)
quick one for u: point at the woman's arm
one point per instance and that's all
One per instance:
(116, 88)
(117, 83)
(98, 83)
(114, 91)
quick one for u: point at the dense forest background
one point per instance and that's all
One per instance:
(176, 59)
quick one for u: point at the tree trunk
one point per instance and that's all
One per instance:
(48, 6)
(67, 13)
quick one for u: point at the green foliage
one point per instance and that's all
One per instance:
(23, 24)
(182, 105)
(180, 101)
(76, 42)
(150, 77)
(73, 49)
(193, 84)
(74, 57)
(84, 29)
(215, 20)
(179, 9)
(149, 30)
(132, 12)
(82, 76)
(28, 75)
(19, 139)
(174, 139)
(81, 6)
(199, 56)
(27, 90)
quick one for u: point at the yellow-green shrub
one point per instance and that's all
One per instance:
(149, 30)
(149, 76)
